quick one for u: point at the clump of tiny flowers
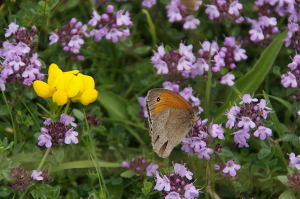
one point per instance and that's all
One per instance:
(292, 77)
(20, 64)
(282, 8)
(197, 140)
(225, 56)
(109, 25)
(294, 179)
(180, 61)
(58, 132)
(186, 93)
(294, 161)
(69, 37)
(22, 178)
(148, 3)
(229, 168)
(248, 118)
(140, 166)
(293, 36)
(178, 12)
(223, 10)
(177, 184)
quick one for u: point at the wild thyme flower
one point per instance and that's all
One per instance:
(174, 61)
(42, 176)
(293, 36)
(19, 63)
(262, 30)
(69, 36)
(225, 56)
(248, 119)
(223, 10)
(294, 161)
(93, 120)
(109, 25)
(197, 140)
(231, 168)
(178, 12)
(21, 178)
(177, 184)
(57, 132)
(148, 3)
(140, 166)
(292, 77)
(294, 181)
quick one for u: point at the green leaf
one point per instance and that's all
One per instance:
(283, 179)
(289, 137)
(78, 114)
(253, 79)
(283, 102)
(18, 147)
(127, 174)
(274, 118)
(147, 187)
(288, 194)
(84, 164)
(264, 152)
(115, 105)
(4, 191)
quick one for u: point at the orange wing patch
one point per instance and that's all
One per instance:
(169, 99)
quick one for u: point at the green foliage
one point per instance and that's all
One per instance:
(123, 71)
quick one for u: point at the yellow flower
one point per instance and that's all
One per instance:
(64, 85)
(87, 93)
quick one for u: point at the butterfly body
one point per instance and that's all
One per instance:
(170, 118)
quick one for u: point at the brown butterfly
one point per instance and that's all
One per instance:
(170, 118)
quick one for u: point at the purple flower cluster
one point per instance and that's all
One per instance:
(20, 64)
(177, 185)
(262, 29)
(57, 132)
(109, 25)
(197, 140)
(140, 166)
(248, 119)
(294, 161)
(292, 77)
(291, 8)
(178, 12)
(148, 3)
(225, 10)
(185, 63)
(22, 178)
(186, 93)
(293, 36)
(70, 36)
(230, 168)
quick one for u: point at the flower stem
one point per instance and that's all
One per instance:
(12, 121)
(208, 89)
(44, 158)
(67, 107)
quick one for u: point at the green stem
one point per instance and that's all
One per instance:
(208, 89)
(67, 107)
(34, 118)
(44, 159)
(12, 121)
(294, 124)
(95, 156)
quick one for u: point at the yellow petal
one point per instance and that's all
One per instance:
(69, 83)
(42, 89)
(87, 82)
(88, 96)
(60, 97)
(54, 75)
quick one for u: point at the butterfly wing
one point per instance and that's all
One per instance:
(169, 128)
(170, 119)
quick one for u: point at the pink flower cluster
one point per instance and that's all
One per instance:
(248, 119)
